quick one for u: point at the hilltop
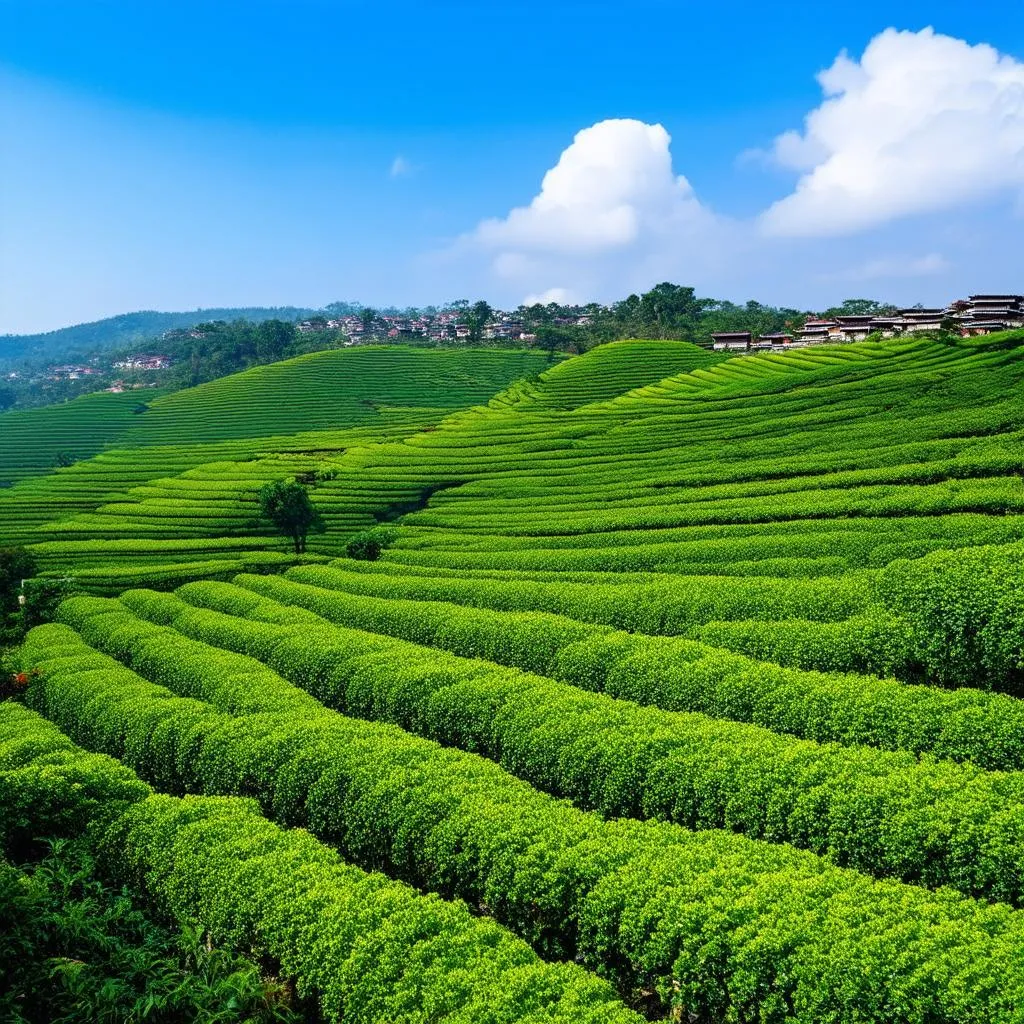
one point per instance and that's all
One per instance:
(127, 329)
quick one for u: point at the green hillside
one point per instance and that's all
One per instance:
(613, 369)
(127, 329)
(343, 387)
(32, 440)
(188, 465)
(698, 679)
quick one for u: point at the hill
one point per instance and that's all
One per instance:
(700, 675)
(186, 465)
(39, 440)
(127, 329)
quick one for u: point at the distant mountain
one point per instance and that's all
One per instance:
(127, 329)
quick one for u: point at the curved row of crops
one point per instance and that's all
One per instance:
(712, 922)
(706, 679)
(887, 813)
(370, 948)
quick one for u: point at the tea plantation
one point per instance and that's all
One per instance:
(664, 686)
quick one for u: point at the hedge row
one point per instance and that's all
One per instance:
(674, 605)
(49, 787)
(719, 926)
(682, 675)
(373, 949)
(935, 823)
(994, 495)
(967, 612)
(112, 579)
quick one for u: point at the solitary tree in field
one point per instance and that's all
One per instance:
(286, 504)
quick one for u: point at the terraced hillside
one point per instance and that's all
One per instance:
(36, 440)
(185, 468)
(703, 688)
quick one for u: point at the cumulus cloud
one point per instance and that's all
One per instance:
(610, 215)
(921, 122)
(611, 187)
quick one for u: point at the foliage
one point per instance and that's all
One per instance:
(681, 675)
(43, 597)
(367, 545)
(683, 667)
(686, 768)
(125, 329)
(286, 504)
(711, 903)
(16, 564)
(370, 949)
(967, 614)
(79, 950)
(217, 348)
(860, 307)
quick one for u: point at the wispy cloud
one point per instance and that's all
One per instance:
(892, 267)
(400, 168)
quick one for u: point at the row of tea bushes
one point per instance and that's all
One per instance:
(686, 676)
(882, 812)
(373, 950)
(718, 925)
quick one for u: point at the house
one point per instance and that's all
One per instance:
(983, 314)
(731, 341)
(914, 320)
(854, 328)
(816, 331)
(144, 362)
(887, 326)
(71, 372)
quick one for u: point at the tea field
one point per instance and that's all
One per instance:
(684, 687)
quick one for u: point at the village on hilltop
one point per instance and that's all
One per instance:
(978, 314)
(447, 325)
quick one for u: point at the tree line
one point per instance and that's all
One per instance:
(216, 348)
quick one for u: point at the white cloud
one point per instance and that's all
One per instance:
(400, 168)
(922, 122)
(562, 296)
(611, 216)
(610, 188)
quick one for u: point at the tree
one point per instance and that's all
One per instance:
(550, 339)
(367, 545)
(860, 307)
(477, 318)
(286, 504)
(42, 599)
(367, 316)
(666, 311)
(16, 564)
(273, 339)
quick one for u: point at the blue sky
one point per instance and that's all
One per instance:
(177, 155)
